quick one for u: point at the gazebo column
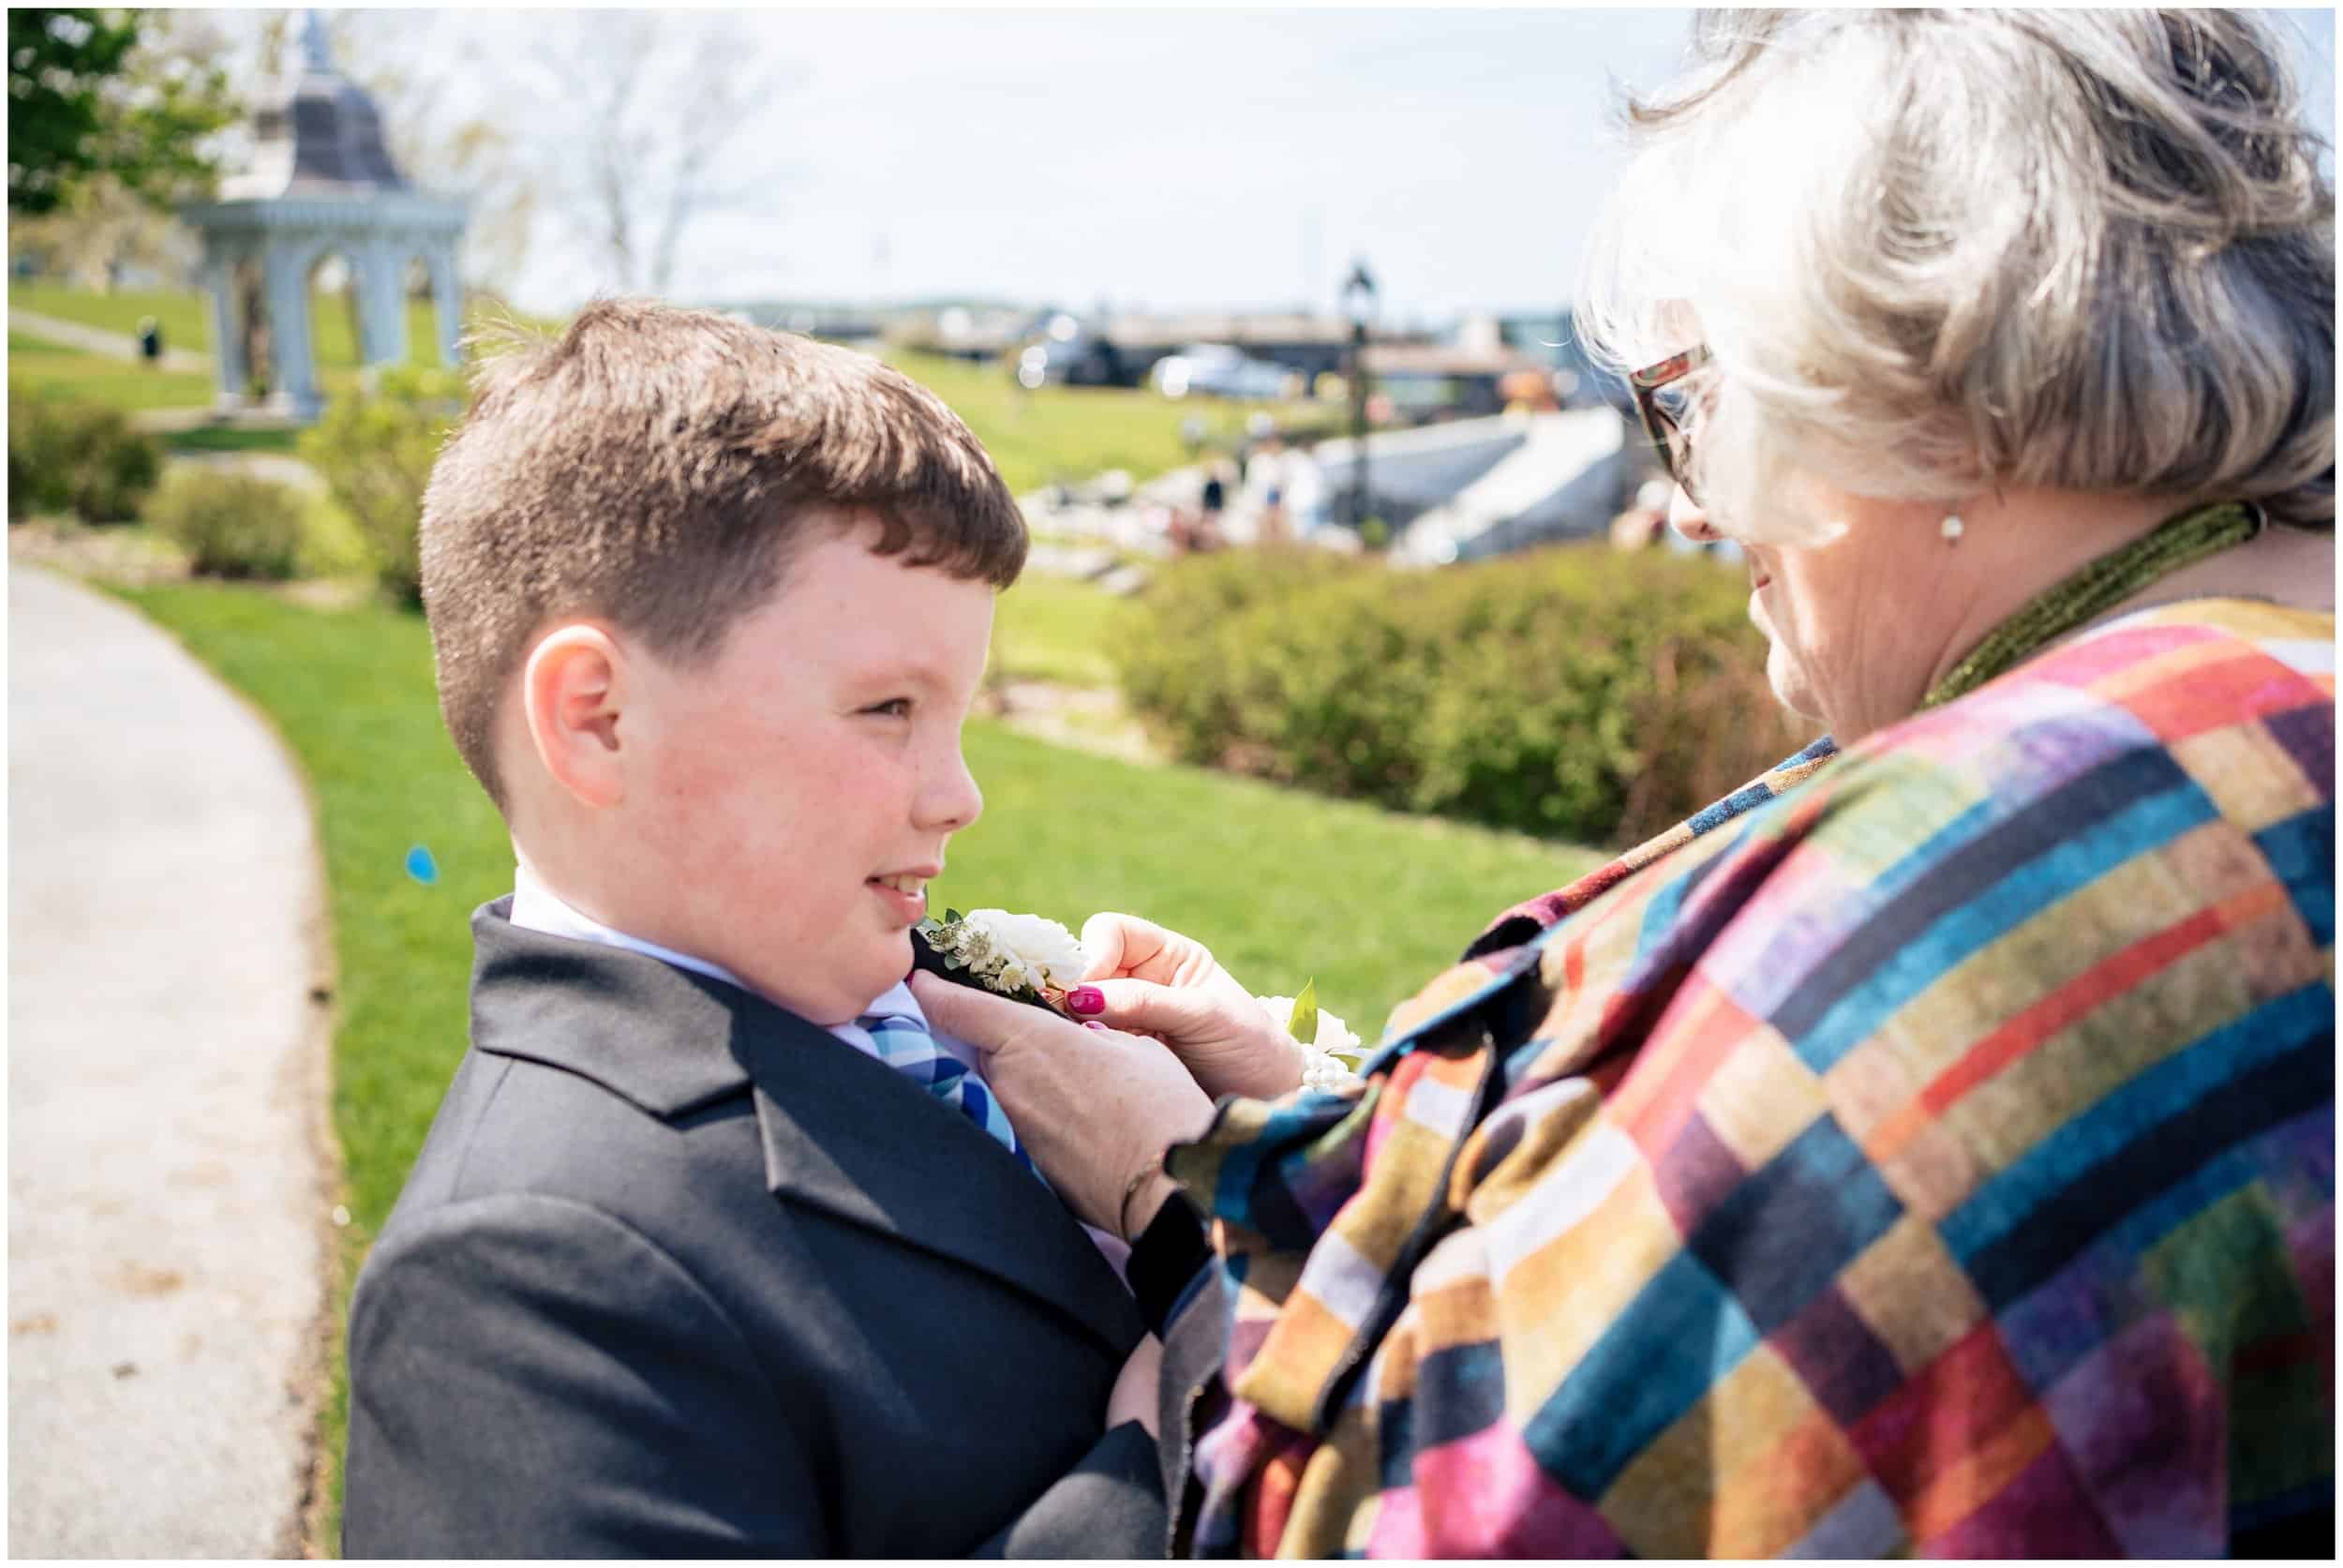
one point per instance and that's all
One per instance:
(257, 256)
(381, 304)
(226, 337)
(447, 299)
(292, 371)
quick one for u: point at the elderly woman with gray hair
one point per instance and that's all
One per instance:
(1930, 1148)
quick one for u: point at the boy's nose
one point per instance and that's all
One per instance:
(953, 802)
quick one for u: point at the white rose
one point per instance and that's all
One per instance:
(1333, 1036)
(1027, 949)
(1336, 1037)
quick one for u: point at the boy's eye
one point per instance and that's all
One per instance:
(894, 708)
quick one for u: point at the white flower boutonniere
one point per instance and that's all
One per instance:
(1330, 1051)
(1030, 959)
(1022, 956)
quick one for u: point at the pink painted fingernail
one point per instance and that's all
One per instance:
(1094, 1023)
(1086, 999)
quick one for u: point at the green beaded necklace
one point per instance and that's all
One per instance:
(2178, 541)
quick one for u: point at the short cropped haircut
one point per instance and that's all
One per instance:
(1936, 253)
(657, 467)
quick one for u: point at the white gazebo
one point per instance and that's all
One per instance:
(322, 184)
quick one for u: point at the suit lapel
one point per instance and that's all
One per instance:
(856, 1139)
(841, 1132)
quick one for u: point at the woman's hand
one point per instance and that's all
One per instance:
(1093, 1108)
(1152, 981)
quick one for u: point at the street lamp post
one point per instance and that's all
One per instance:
(1358, 298)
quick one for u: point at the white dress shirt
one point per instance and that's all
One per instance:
(538, 908)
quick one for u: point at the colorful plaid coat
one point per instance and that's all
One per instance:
(1937, 1157)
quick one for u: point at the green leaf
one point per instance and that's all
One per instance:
(952, 917)
(1305, 1024)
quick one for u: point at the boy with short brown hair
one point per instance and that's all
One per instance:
(713, 1247)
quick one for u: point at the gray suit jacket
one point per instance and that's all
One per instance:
(679, 1273)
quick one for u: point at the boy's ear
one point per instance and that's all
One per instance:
(574, 693)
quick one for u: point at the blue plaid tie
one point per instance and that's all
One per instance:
(905, 1045)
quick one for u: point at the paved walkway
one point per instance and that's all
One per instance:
(167, 1221)
(278, 467)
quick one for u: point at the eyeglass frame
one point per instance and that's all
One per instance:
(1658, 424)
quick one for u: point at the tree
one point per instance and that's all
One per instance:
(640, 114)
(102, 230)
(611, 132)
(87, 99)
(438, 136)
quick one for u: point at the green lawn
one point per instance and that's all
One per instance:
(1052, 435)
(1283, 887)
(42, 368)
(1055, 629)
(1064, 434)
(186, 318)
(234, 438)
(47, 369)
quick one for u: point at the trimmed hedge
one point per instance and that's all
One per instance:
(1575, 693)
(81, 458)
(233, 524)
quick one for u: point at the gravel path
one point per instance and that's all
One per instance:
(167, 1185)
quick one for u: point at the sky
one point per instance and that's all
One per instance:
(1174, 160)
(1171, 159)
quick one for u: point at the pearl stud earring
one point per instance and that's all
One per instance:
(1951, 527)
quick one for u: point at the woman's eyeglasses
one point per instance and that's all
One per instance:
(1664, 412)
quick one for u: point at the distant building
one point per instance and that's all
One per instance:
(835, 323)
(321, 184)
(1481, 371)
(979, 333)
(1551, 338)
(1449, 380)
(1312, 345)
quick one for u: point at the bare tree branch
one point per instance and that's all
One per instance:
(613, 133)
(435, 139)
(666, 99)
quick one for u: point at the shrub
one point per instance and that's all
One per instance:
(375, 451)
(79, 457)
(21, 473)
(1575, 693)
(231, 524)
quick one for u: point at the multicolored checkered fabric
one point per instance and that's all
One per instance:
(1940, 1160)
(905, 1044)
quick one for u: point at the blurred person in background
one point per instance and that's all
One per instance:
(1928, 1149)
(1268, 475)
(1215, 494)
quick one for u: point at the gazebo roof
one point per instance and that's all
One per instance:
(321, 137)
